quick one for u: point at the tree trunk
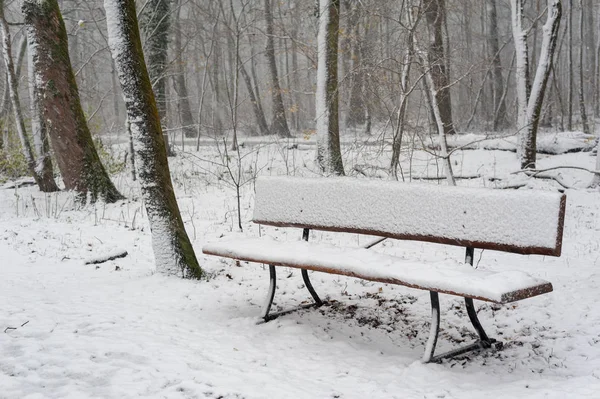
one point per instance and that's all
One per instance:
(530, 98)
(435, 103)
(184, 110)
(597, 72)
(582, 110)
(329, 156)
(39, 131)
(46, 183)
(570, 69)
(435, 14)
(5, 107)
(115, 93)
(499, 115)
(356, 111)
(258, 114)
(173, 250)
(256, 87)
(279, 123)
(404, 93)
(155, 24)
(70, 136)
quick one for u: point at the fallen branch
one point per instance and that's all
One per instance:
(101, 259)
(535, 172)
(466, 177)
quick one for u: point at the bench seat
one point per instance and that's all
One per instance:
(445, 277)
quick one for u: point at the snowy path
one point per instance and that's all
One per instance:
(101, 333)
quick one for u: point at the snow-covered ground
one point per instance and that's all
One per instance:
(119, 330)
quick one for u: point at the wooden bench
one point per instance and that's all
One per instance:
(522, 222)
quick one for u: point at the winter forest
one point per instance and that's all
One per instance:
(140, 138)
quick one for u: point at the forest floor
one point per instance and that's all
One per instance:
(120, 330)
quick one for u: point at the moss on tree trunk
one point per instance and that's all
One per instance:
(42, 176)
(69, 133)
(172, 248)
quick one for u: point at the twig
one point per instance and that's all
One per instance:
(535, 172)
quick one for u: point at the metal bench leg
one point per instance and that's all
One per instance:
(266, 316)
(271, 294)
(484, 342)
(308, 284)
(434, 329)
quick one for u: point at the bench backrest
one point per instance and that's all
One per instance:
(524, 221)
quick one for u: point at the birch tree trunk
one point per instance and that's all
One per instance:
(329, 156)
(46, 183)
(172, 248)
(69, 133)
(530, 98)
(279, 123)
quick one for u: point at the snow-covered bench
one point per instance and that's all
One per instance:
(522, 222)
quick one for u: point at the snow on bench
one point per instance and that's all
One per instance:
(445, 277)
(523, 222)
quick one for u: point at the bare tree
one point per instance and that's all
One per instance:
(173, 250)
(411, 25)
(530, 97)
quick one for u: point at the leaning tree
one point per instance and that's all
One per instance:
(173, 250)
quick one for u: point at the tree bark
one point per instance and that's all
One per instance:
(173, 250)
(155, 24)
(279, 123)
(46, 183)
(329, 156)
(39, 131)
(499, 115)
(69, 133)
(570, 69)
(435, 14)
(356, 112)
(582, 109)
(186, 119)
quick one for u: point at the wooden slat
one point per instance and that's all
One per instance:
(469, 283)
(524, 222)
